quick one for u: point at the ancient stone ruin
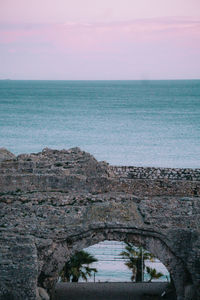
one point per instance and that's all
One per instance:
(54, 202)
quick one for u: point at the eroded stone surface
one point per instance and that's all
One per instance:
(56, 202)
(5, 154)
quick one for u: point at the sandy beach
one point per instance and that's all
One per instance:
(109, 290)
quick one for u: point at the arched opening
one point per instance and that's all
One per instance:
(119, 267)
(55, 258)
(111, 263)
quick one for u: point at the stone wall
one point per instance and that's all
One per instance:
(151, 173)
(54, 202)
(157, 181)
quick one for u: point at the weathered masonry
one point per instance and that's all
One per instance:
(56, 202)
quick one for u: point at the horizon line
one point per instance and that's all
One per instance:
(172, 79)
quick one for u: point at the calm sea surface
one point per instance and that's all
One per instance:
(141, 123)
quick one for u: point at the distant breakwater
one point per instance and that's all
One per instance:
(152, 173)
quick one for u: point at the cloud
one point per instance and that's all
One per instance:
(115, 30)
(140, 46)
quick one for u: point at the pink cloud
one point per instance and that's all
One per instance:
(82, 36)
(124, 47)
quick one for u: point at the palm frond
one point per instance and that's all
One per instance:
(78, 267)
(153, 273)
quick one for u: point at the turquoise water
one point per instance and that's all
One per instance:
(149, 123)
(141, 123)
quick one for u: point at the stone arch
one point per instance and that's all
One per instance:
(53, 203)
(151, 241)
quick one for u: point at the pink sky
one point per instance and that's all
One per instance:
(113, 39)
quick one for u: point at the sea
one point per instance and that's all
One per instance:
(136, 123)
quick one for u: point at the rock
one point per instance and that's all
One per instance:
(42, 294)
(37, 294)
(53, 203)
(6, 155)
(190, 292)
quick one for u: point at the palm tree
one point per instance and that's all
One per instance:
(78, 267)
(136, 257)
(153, 273)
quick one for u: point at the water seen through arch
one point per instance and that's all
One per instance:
(111, 267)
